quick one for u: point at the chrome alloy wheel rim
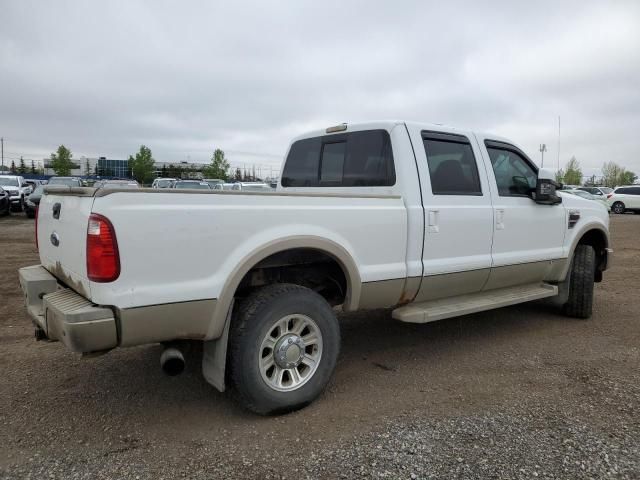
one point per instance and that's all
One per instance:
(290, 352)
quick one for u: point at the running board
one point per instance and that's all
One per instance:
(475, 302)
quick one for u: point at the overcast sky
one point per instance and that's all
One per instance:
(186, 77)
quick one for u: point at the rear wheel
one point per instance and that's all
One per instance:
(283, 348)
(580, 300)
(618, 207)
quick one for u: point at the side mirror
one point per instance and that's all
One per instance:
(546, 187)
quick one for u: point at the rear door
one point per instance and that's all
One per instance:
(633, 198)
(62, 235)
(527, 237)
(458, 214)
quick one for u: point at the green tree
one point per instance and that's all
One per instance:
(87, 168)
(142, 165)
(627, 178)
(573, 172)
(13, 168)
(219, 166)
(22, 169)
(61, 161)
(33, 167)
(163, 172)
(614, 175)
(238, 175)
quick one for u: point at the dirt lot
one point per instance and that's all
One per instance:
(517, 393)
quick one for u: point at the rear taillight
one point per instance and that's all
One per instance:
(103, 258)
(609, 195)
(37, 210)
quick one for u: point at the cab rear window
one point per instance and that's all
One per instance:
(356, 159)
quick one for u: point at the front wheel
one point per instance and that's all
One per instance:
(618, 207)
(582, 275)
(283, 348)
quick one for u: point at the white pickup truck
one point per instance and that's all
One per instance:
(432, 221)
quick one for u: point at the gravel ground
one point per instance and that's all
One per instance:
(521, 392)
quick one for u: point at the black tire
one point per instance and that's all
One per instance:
(580, 301)
(253, 320)
(618, 207)
(30, 214)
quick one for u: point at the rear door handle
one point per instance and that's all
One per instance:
(433, 221)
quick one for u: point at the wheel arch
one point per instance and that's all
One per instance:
(216, 342)
(328, 247)
(595, 235)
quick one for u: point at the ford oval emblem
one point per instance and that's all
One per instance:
(55, 239)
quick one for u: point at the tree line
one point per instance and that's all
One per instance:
(141, 165)
(22, 168)
(612, 175)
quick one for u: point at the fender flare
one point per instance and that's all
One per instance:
(329, 247)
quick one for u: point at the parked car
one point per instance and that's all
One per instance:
(163, 183)
(252, 187)
(17, 189)
(192, 185)
(581, 193)
(66, 181)
(597, 191)
(5, 202)
(625, 199)
(32, 202)
(214, 181)
(430, 221)
(224, 186)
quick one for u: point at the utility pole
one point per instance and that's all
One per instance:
(543, 148)
(558, 142)
(2, 143)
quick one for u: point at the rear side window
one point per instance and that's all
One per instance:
(357, 159)
(452, 165)
(628, 190)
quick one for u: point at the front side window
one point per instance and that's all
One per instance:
(357, 159)
(452, 165)
(514, 174)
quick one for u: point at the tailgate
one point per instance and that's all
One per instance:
(62, 234)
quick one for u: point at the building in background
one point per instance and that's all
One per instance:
(93, 167)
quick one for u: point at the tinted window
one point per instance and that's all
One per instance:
(623, 191)
(452, 166)
(514, 174)
(332, 164)
(634, 191)
(361, 159)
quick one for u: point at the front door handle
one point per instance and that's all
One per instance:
(499, 219)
